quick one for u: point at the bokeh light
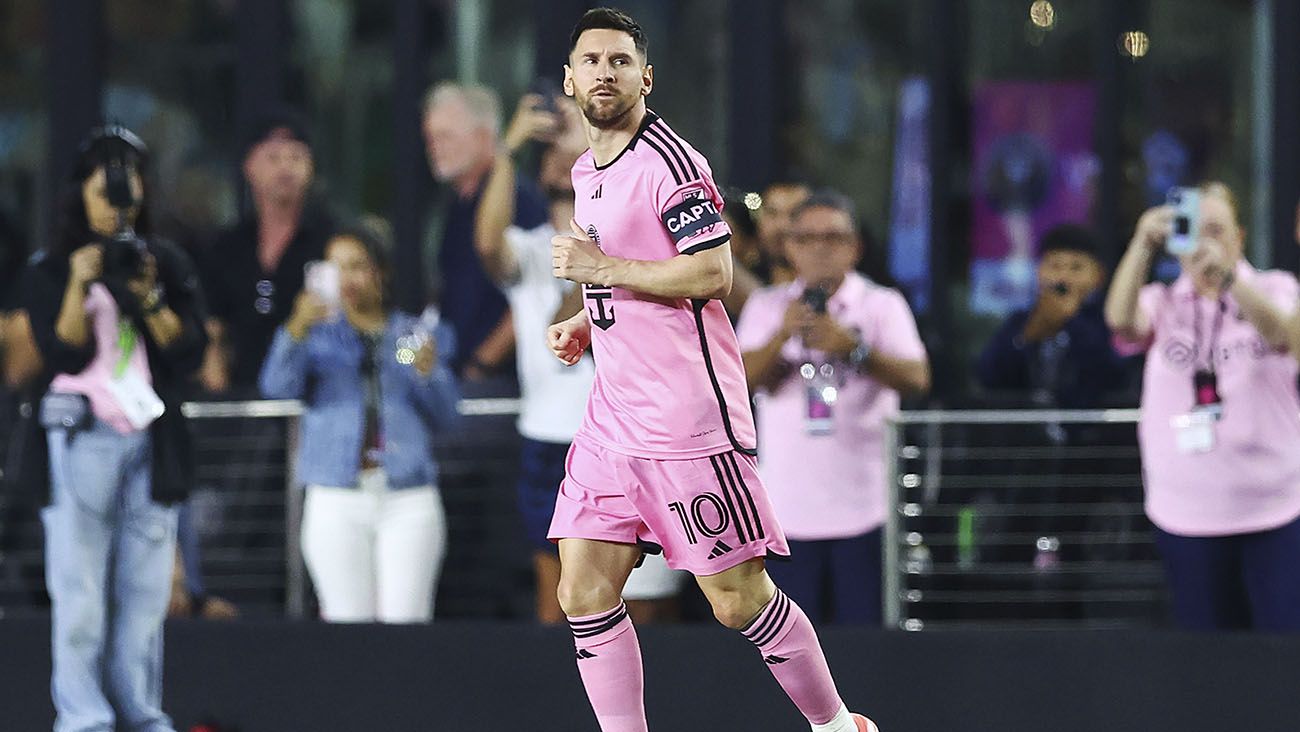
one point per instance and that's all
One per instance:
(1134, 44)
(1042, 14)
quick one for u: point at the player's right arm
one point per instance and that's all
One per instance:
(568, 339)
(704, 275)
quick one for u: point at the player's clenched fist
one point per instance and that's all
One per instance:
(576, 257)
(568, 339)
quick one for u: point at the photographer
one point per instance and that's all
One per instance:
(1058, 352)
(827, 356)
(377, 384)
(1220, 415)
(117, 318)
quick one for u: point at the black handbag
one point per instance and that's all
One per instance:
(173, 455)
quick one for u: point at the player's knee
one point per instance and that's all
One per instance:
(733, 609)
(579, 598)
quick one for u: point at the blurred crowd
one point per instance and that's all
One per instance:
(109, 326)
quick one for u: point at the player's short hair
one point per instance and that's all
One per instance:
(483, 104)
(610, 19)
(832, 199)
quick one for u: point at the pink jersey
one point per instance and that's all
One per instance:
(669, 380)
(1250, 480)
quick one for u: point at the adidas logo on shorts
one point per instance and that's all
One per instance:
(774, 660)
(719, 549)
(583, 653)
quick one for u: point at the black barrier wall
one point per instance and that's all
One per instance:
(459, 677)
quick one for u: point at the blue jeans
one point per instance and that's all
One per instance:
(834, 581)
(109, 555)
(1237, 582)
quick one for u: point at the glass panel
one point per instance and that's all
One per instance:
(1189, 104)
(341, 73)
(850, 61)
(170, 77)
(24, 186)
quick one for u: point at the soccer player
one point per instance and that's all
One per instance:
(665, 455)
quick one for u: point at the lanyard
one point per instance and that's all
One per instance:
(126, 339)
(1219, 307)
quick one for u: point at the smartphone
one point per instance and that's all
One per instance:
(322, 280)
(1186, 203)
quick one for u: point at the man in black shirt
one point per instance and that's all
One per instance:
(462, 126)
(254, 270)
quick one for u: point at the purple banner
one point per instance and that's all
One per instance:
(909, 219)
(1033, 168)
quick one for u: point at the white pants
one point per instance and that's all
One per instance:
(374, 554)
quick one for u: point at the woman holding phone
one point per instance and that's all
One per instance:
(1220, 419)
(376, 388)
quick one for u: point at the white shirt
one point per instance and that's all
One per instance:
(554, 395)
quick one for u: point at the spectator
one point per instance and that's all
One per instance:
(23, 468)
(778, 204)
(20, 362)
(189, 595)
(461, 131)
(554, 398)
(1059, 351)
(827, 356)
(1220, 419)
(118, 322)
(746, 255)
(255, 269)
(377, 385)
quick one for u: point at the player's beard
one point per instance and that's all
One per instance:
(610, 116)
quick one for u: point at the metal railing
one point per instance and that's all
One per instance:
(246, 506)
(255, 420)
(997, 517)
(1031, 518)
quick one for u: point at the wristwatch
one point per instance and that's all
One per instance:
(859, 355)
(153, 302)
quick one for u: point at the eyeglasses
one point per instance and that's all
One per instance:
(830, 238)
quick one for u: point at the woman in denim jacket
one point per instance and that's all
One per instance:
(375, 387)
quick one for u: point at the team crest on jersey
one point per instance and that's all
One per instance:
(599, 298)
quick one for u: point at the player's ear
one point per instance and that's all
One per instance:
(647, 79)
(568, 80)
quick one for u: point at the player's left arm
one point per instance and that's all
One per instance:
(704, 274)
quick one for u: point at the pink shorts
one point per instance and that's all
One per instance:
(708, 514)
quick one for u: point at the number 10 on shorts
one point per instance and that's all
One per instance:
(696, 519)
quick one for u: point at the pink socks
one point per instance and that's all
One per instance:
(785, 637)
(609, 661)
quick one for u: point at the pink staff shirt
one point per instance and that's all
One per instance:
(829, 486)
(1249, 480)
